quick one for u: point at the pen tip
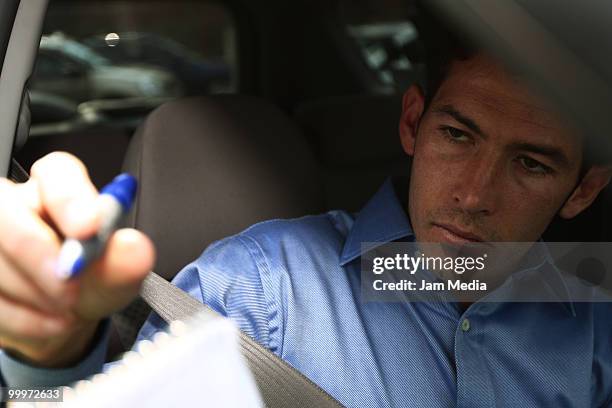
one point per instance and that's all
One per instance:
(70, 261)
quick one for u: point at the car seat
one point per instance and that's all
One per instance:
(356, 141)
(209, 167)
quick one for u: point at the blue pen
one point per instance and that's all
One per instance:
(116, 199)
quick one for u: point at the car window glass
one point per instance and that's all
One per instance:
(96, 52)
(387, 40)
(49, 65)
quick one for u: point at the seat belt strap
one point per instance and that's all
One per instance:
(17, 173)
(281, 385)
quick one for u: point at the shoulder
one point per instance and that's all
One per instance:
(602, 353)
(271, 241)
(246, 276)
(602, 320)
(308, 231)
(332, 222)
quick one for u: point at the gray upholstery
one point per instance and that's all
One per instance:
(356, 140)
(210, 167)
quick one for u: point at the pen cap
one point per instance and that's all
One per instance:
(123, 189)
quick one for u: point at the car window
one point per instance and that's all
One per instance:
(96, 52)
(52, 65)
(387, 39)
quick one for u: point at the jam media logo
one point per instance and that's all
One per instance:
(421, 272)
(527, 271)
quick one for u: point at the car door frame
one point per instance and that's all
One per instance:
(21, 24)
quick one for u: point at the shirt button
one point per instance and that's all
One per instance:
(465, 325)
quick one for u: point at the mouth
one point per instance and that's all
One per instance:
(455, 235)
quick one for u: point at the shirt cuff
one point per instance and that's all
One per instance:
(16, 373)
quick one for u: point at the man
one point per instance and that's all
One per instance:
(491, 162)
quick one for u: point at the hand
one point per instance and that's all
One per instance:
(44, 320)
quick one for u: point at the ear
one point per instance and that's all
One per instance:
(585, 193)
(413, 104)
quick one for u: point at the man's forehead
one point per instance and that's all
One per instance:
(483, 86)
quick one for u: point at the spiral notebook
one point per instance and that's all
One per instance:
(195, 364)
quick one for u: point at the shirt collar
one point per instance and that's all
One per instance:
(382, 220)
(550, 276)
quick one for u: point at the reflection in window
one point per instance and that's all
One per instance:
(96, 52)
(387, 40)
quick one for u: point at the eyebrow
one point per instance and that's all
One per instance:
(553, 153)
(461, 118)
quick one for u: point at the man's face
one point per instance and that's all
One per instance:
(491, 162)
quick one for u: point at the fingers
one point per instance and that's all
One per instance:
(128, 257)
(34, 302)
(29, 195)
(25, 322)
(30, 245)
(17, 287)
(60, 188)
(114, 280)
(67, 194)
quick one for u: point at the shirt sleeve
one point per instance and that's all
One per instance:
(16, 373)
(225, 277)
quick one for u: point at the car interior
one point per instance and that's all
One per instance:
(303, 133)
(308, 124)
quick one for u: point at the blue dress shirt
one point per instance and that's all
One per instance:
(294, 286)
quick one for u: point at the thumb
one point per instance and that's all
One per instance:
(114, 280)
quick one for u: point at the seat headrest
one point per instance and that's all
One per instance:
(357, 143)
(208, 167)
(354, 129)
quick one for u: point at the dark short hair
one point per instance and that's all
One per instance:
(441, 47)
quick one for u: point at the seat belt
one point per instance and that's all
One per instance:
(280, 385)
(17, 173)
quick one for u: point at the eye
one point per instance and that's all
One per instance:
(534, 166)
(455, 135)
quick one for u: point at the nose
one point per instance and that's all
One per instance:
(478, 186)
